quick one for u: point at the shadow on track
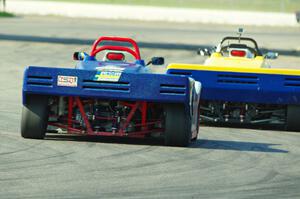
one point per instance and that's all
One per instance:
(105, 139)
(151, 45)
(237, 146)
(200, 144)
(271, 127)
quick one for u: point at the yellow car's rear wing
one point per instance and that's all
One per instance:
(278, 71)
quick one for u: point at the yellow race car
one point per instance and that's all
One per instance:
(238, 86)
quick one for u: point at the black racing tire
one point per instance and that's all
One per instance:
(292, 120)
(177, 126)
(35, 117)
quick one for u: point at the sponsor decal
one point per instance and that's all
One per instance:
(69, 81)
(109, 76)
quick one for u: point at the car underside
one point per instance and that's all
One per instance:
(242, 113)
(106, 117)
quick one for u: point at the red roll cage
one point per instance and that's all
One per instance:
(135, 52)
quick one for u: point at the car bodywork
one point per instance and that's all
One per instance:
(111, 97)
(240, 87)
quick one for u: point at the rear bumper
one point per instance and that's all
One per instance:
(132, 87)
(245, 87)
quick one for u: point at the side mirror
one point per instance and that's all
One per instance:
(240, 30)
(271, 55)
(298, 16)
(156, 61)
(79, 56)
(204, 52)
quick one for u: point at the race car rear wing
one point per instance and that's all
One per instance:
(251, 85)
(91, 84)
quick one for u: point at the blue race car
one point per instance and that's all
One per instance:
(110, 97)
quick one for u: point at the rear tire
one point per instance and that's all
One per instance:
(35, 117)
(177, 126)
(292, 120)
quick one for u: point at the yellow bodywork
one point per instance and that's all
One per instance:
(216, 59)
(216, 62)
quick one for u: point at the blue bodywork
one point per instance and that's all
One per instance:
(245, 87)
(134, 84)
(141, 87)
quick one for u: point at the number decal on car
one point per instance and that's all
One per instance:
(69, 81)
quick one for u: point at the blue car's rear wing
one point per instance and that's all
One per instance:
(245, 87)
(128, 86)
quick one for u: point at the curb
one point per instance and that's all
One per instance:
(149, 13)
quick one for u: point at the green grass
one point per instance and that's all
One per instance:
(6, 14)
(245, 5)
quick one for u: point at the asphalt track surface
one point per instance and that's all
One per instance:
(222, 163)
